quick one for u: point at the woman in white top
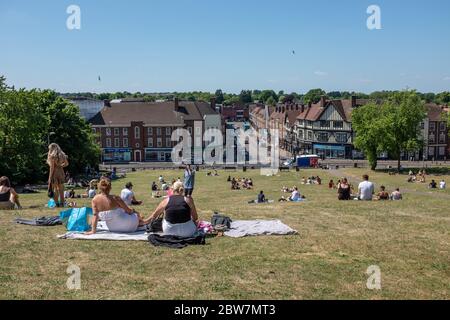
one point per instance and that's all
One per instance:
(118, 216)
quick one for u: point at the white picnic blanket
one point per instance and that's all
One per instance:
(239, 229)
(244, 228)
(104, 234)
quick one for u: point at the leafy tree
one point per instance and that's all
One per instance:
(219, 96)
(245, 96)
(443, 98)
(266, 94)
(402, 115)
(271, 101)
(368, 129)
(314, 95)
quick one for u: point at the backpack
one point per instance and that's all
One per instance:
(220, 219)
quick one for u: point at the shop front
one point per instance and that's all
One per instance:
(326, 151)
(158, 154)
(116, 155)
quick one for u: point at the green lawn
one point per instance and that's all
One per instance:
(409, 240)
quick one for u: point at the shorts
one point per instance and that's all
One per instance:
(188, 192)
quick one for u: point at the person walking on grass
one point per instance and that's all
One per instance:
(57, 160)
(189, 181)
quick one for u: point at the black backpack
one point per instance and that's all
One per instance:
(220, 219)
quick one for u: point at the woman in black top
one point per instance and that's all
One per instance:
(8, 196)
(344, 191)
(180, 214)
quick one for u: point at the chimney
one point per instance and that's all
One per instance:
(303, 108)
(296, 106)
(107, 103)
(322, 101)
(177, 104)
(213, 103)
(309, 104)
(353, 101)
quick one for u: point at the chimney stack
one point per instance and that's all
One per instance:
(177, 104)
(322, 101)
(353, 101)
(213, 103)
(303, 108)
(296, 107)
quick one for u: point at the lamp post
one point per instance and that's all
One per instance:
(48, 137)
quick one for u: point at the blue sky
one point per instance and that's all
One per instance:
(184, 45)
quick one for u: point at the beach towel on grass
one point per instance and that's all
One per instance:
(104, 234)
(245, 228)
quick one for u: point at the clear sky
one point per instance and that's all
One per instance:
(184, 45)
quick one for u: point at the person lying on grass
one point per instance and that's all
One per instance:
(112, 209)
(180, 216)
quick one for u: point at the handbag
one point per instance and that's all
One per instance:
(50, 192)
(155, 226)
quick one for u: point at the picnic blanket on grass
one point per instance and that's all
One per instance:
(103, 233)
(245, 228)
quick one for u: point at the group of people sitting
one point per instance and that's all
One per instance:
(240, 183)
(178, 211)
(433, 185)
(366, 191)
(311, 180)
(294, 197)
(420, 177)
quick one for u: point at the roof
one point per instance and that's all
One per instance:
(435, 112)
(161, 113)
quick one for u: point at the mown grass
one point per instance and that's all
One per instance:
(409, 240)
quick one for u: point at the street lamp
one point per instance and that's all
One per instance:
(48, 137)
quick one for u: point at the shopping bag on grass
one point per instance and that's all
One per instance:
(77, 219)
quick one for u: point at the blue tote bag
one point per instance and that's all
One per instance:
(77, 219)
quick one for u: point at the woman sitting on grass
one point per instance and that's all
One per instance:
(383, 194)
(118, 216)
(179, 212)
(8, 196)
(344, 190)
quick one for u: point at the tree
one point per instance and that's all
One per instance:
(443, 98)
(314, 95)
(266, 94)
(271, 101)
(219, 96)
(401, 116)
(368, 129)
(245, 96)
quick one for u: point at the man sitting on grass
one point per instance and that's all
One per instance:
(127, 195)
(366, 189)
(396, 195)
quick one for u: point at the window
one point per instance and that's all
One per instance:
(198, 141)
(138, 145)
(137, 133)
(150, 131)
(338, 124)
(341, 137)
(300, 134)
(442, 126)
(324, 124)
(309, 123)
(432, 138)
(125, 142)
(310, 135)
(116, 131)
(125, 131)
(159, 142)
(442, 138)
(116, 143)
(168, 143)
(190, 130)
(108, 131)
(442, 151)
(158, 131)
(432, 126)
(168, 131)
(108, 142)
(431, 151)
(198, 130)
(150, 142)
(322, 137)
(422, 125)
